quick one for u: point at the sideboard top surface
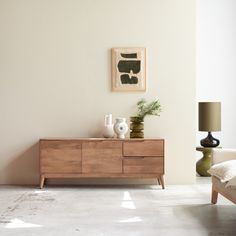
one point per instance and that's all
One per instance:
(99, 139)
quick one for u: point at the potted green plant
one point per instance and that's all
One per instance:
(144, 108)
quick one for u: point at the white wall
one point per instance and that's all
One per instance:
(216, 62)
(55, 76)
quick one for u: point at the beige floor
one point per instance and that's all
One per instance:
(115, 211)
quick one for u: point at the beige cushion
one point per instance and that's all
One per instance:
(224, 171)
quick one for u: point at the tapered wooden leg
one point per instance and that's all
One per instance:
(214, 195)
(158, 181)
(162, 181)
(42, 179)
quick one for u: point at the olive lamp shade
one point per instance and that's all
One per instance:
(209, 116)
(209, 119)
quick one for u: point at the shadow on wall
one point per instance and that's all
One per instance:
(24, 169)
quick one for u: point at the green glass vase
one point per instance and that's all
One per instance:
(136, 127)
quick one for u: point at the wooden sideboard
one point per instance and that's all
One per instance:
(101, 158)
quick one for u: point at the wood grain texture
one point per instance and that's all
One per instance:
(214, 195)
(144, 148)
(102, 157)
(42, 179)
(216, 191)
(161, 178)
(143, 165)
(103, 175)
(60, 157)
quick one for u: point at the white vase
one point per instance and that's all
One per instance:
(120, 127)
(108, 131)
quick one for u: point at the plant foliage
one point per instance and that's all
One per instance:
(148, 108)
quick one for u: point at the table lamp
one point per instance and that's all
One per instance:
(209, 118)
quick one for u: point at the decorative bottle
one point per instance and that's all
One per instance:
(108, 131)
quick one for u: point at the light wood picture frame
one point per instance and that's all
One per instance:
(128, 69)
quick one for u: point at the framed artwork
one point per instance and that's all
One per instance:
(128, 69)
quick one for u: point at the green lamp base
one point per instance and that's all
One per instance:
(204, 164)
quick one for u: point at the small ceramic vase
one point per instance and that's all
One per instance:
(108, 131)
(120, 127)
(108, 128)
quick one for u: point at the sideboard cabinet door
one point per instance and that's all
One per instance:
(60, 156)
(102, 157)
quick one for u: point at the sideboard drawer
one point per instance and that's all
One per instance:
(143, 165)
(144, 148)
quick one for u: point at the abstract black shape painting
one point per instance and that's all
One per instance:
(127, 66)
(128, 69)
